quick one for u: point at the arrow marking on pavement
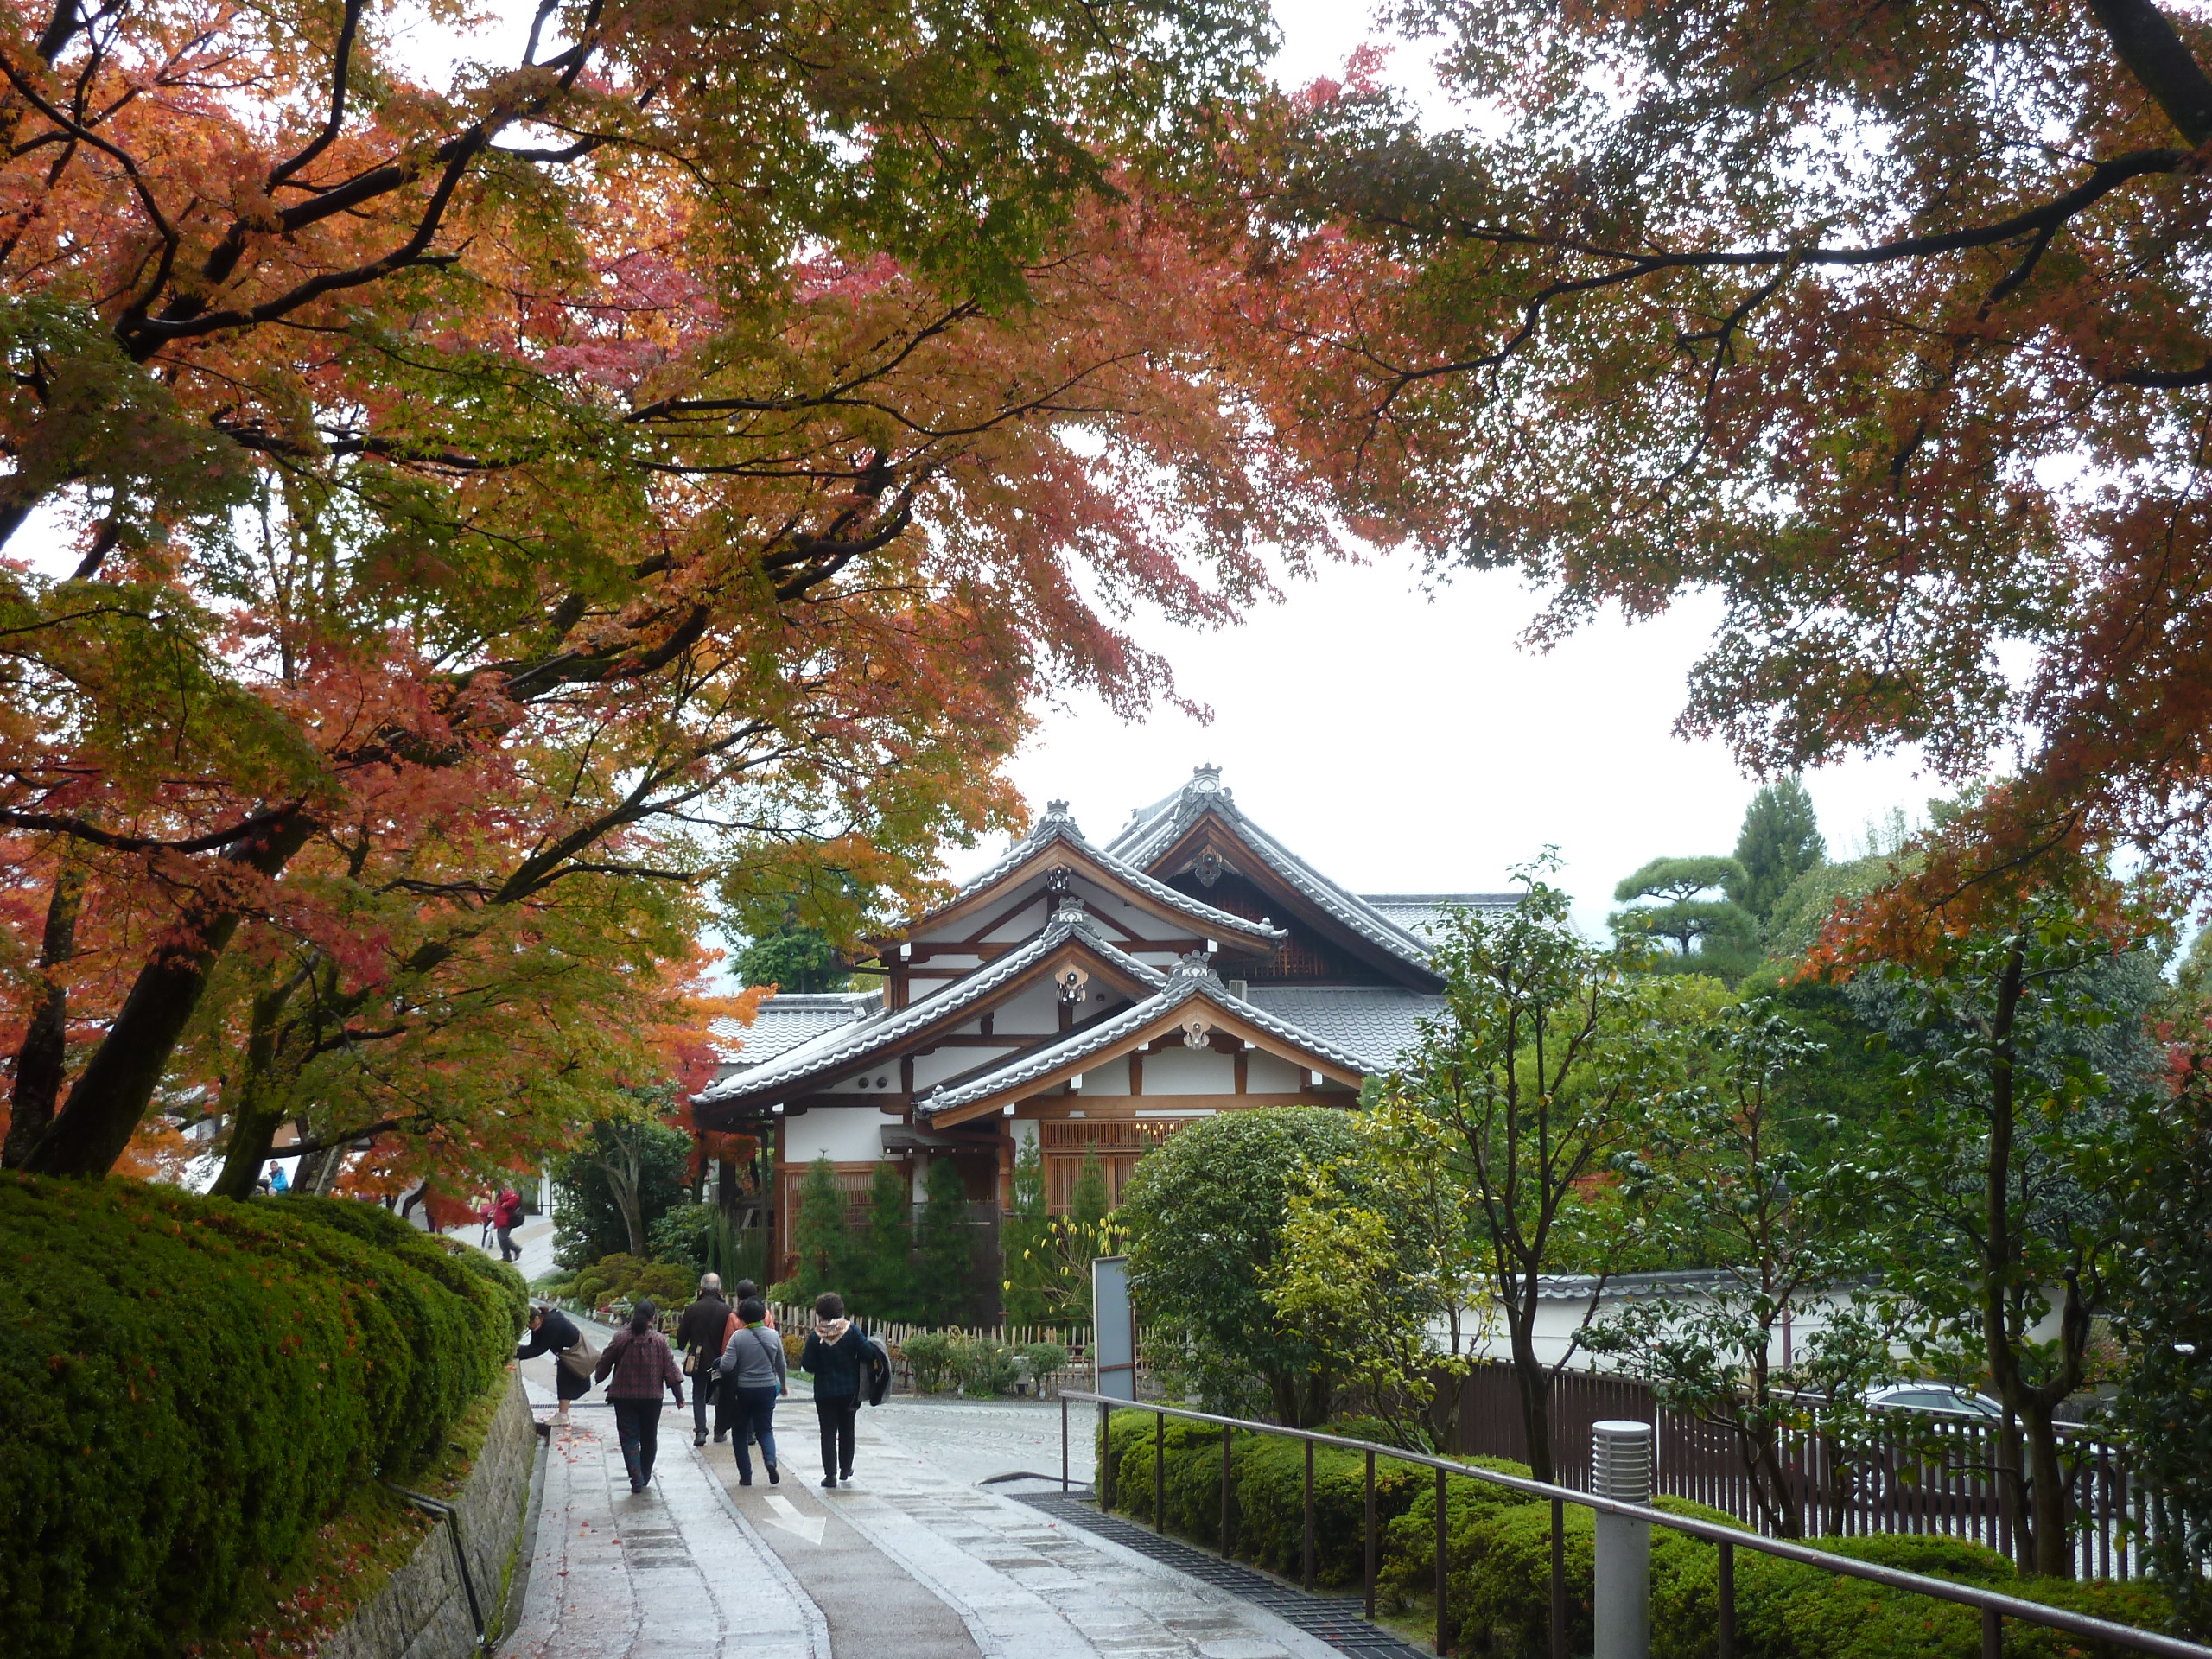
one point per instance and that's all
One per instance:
(787, 1516)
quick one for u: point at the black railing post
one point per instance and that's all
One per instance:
(1727, 1645)
(1368, 1573)
(1063, 1443)
(1106, 1481)
(1443, 1572)
(1159, 1472)
(1226, 1432)
(1306, 1556)
(1993, 1634)
(1559, 1578)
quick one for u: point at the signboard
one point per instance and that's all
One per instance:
(1113, 1328)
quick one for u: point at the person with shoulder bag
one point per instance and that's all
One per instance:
(751, 1378)
(640, 1363)
(552, 1331)
(701, 1330)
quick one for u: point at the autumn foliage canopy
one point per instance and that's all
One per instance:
(463, 522)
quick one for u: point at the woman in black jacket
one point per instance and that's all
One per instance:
(835, 1357)
(552, 1331)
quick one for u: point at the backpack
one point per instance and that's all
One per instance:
(879, 1371)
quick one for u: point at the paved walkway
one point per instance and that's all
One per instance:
(913, 1560)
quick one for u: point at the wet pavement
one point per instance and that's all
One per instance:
(913, 1559)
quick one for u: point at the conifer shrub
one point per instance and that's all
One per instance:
(188, 1387)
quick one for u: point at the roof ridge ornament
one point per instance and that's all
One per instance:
(1197, 966)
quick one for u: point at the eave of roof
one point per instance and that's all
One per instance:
(1056, 827)
(1022, 1071)
(1154, 831)
(844, 1046)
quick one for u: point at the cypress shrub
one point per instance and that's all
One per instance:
(1410, 1543)
(188, 1387)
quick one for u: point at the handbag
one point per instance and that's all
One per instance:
(580, 1358)
(690, 1361)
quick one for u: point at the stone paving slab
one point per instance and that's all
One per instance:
(1335, 1620)
(674, 1572)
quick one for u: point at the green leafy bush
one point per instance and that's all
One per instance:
(1043, 1357)
(1408, 1555)
(188, 1387)
(985, 1366)
(930, 1354)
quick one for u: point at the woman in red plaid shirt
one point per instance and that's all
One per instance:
(642, 1363)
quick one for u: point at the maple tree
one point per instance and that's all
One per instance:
(1886, 322)
(505, 513)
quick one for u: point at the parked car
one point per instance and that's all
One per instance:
(1935, 1396)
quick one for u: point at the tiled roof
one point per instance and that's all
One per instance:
(840, 1047)
(1057, 825)
(1383, 1020)
(782, 1023)
(1152, 829)
(1185, 983)
(1421, 914)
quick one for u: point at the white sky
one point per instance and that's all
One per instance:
(1403, 744)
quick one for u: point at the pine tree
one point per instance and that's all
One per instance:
(945, 1250)
(884, 1281)
(1023, 1238)
(819, 1234)
(1780, 840)
(1089, 1204)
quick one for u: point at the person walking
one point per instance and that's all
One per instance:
(640, 1363)
(552, 1331)
(752, 1379)
(835, 1355)
(507, 1212)
(699, 1332)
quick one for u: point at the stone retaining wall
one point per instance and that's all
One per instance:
(423, 1612)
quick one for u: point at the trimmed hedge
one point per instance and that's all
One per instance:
(188, 1387)
(1498, 1559)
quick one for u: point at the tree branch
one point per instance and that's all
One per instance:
(2153, 53)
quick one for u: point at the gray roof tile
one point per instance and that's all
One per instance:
(839, 1047)
(1382, 1021)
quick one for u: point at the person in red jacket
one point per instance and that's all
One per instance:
(506, 1211)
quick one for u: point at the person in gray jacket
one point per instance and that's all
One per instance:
(752, 1380)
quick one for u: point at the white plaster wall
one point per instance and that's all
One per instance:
(844, 1135)
(1111, 1078)
(1189, 1071)
(1019, 923)
(1271, 1074)
(1025, 1135)
(931, 1069)
(1036, 1010)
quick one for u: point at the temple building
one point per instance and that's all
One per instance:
(1081, 996)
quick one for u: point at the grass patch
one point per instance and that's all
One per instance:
(353, 1556)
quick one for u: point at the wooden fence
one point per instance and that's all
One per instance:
(1915, 1471)
(1076, 1339)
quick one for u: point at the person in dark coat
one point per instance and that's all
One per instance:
(699, 1330)
(640, 1363)
(552, 1331)
(835, 1356)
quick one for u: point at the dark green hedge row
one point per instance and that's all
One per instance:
(1498, 1559)
(188, 1387)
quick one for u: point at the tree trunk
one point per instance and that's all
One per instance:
(41, 1060)
(1534, 1377)
(117, 1085)
(259, 1115)
(2052, 1556)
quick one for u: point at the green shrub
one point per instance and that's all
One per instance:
(1043, 1357)
(985, 1366)
(670, 1286)
(1409, 1565)
(1501, 1598)
(188, 1387)
(930, 1354)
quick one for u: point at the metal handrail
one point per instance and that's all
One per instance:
(1993, 1605)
